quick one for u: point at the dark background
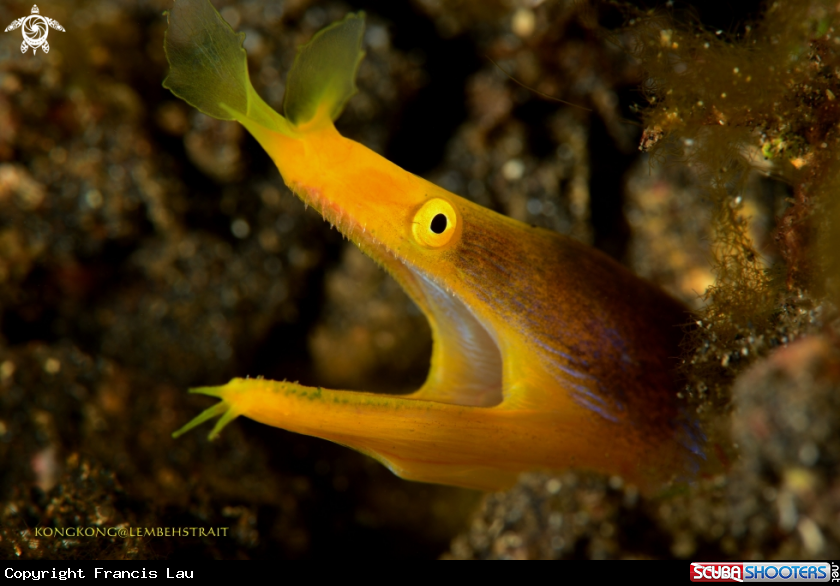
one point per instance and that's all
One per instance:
(146, 249)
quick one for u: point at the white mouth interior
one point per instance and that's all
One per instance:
(469, 361)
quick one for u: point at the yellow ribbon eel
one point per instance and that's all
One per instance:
(546, 353)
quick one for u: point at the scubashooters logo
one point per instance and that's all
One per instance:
(35, 30)
(764, 572)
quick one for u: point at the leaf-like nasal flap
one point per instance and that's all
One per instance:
(209, 67)
(323, 76)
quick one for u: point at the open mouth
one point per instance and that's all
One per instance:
(466, 364)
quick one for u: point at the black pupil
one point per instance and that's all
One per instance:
(438, 224)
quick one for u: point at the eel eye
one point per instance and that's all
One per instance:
(434, 223)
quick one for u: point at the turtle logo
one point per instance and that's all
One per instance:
(35, 30)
